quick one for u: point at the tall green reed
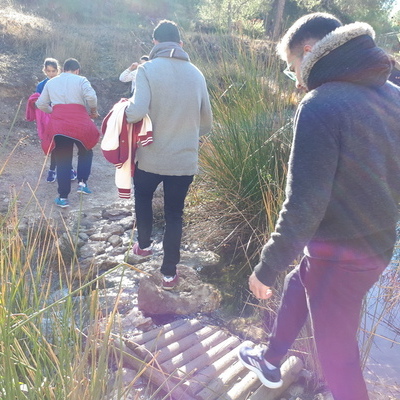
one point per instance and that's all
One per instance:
(50, 348)
(243, 161)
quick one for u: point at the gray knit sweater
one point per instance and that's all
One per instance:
(173, 92)
(343, 184)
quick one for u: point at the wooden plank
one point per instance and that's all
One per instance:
(184, 344)
(206, 359)
(178, 389)
(171, 336)
(206, 375)
(242, 388)
(150, 335)
(210, 356)
(149, 349)
(290, 370)
(200, 362)
(195, 351)
(220, 384)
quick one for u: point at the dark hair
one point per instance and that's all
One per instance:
(71, 64)
(166, 31)
(145, 58)
(52, 62)
(310, 26)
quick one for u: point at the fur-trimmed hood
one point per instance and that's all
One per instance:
(347, 54)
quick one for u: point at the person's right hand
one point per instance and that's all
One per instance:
(133, 66)
(93, 113)
(260, 291)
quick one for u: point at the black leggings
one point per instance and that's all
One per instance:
(175, 191)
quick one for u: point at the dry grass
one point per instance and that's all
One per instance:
(102, 50)
(54, 348)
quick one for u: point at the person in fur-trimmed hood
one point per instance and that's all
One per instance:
(342, 199)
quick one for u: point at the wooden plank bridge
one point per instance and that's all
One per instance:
(192, 361)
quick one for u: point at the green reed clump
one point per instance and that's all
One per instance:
(50, 348)
(244, 159)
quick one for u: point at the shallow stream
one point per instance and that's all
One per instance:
(383, 318)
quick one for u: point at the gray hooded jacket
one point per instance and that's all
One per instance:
(173, 93)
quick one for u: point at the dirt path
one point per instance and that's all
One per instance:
(23, 177)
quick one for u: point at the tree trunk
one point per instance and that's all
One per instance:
(278, 19)
(230, 17)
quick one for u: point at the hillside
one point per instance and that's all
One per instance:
(25, 40)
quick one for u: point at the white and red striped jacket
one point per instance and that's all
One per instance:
(120, 141)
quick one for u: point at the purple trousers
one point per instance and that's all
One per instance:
(331, 293)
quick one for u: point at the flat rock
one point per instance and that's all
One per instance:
(113, 229)
(190, 296)
(115, 214)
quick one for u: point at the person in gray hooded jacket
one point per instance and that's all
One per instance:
(173, 93)
(342, 198)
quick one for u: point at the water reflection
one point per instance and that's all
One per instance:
(380, 335)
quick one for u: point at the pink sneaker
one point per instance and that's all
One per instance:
(141, 252)
(169, 282)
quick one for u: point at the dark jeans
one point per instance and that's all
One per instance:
(63, 153)
(175, 191)
(332, 294)
(52, 162)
